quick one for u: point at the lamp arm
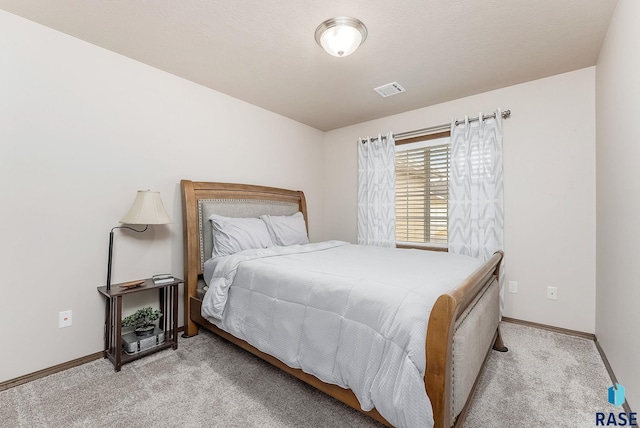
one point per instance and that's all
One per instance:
(130, 228)
(111, 250)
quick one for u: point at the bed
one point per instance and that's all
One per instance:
(461, 327)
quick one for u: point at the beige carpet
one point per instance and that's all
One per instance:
(546, 379)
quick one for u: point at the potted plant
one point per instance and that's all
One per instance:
(142, 321)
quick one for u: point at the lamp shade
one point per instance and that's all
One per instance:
(341, 36)
(147, 208)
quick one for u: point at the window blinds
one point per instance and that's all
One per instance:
(422, 190)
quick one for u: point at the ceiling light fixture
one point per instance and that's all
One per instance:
(341, 36)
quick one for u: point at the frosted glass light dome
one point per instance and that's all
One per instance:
(341, 36)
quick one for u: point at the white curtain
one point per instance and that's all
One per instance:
(376, 191)
(476, 206)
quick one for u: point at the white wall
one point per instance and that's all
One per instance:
(618, 187)
(549, 169)
(81, 130)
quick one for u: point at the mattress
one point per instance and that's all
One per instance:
(354, 316)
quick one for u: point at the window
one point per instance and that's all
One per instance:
(422, 189)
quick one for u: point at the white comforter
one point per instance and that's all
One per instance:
(351, 315)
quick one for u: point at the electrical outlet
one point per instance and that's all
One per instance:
(64, 319)
(513, 286)
(552, 293)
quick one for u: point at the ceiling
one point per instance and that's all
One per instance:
(264, 52)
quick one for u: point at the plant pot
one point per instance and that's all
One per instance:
(147, 330)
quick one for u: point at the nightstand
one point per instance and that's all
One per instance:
(168, 294)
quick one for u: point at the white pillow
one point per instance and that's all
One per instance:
(231, 235)
(286, 229)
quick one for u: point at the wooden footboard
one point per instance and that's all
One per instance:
(445, 312)
(440, 329)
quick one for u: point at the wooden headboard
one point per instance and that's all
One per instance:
(227, 199)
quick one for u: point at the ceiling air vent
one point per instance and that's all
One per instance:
(389, 89)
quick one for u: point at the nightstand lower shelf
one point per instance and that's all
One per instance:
(125, 357)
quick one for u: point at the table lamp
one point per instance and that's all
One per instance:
(147, 209)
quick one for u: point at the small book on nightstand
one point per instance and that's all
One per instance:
(164, 278)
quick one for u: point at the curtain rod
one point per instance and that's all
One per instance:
(444, 127)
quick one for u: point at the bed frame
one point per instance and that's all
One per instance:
(447, 316)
